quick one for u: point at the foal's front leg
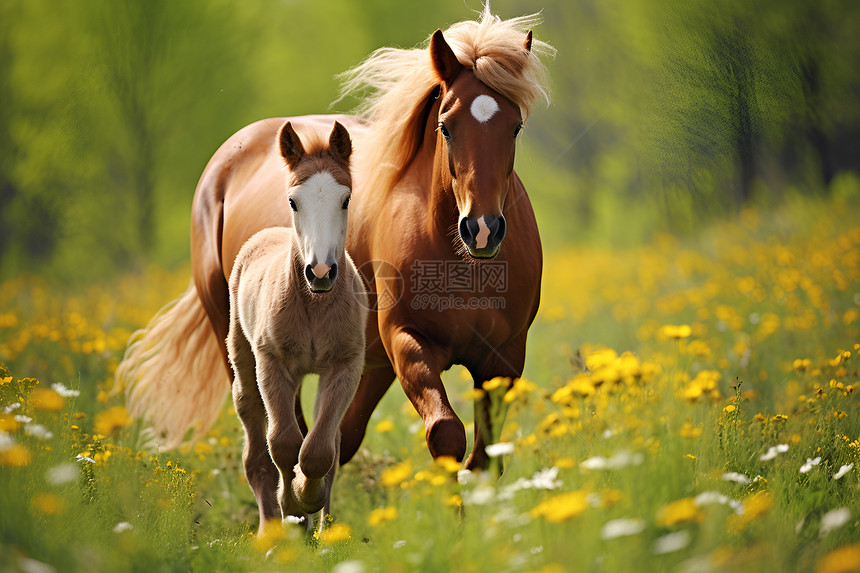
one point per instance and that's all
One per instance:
(321, 449)
(279, 388)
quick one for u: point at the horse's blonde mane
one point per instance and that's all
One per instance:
(395, 85)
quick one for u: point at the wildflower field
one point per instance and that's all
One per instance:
(688, 405)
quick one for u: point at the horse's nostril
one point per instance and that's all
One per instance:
(332, 274)
(465, 234)
(501, 230)
(309, 273)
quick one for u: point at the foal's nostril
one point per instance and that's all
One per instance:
(332, 274)
(309, 274)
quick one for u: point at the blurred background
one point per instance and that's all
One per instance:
(665, 115)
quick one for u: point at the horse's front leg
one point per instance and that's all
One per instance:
(418, 365)
(506, 361)
(279, 388)
(261, 472)
(320, 451)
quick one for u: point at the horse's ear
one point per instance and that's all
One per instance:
(291, 146)
(528, 43)
(339, 142)
(445, 62)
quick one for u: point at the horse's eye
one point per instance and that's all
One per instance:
(293, 205)
(346, 202)
(444, 131)
(517, 130)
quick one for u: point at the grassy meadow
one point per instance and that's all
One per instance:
(690, 404)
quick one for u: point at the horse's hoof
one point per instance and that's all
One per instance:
(310, 499)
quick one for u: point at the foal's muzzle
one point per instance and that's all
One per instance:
(320, 277)
(482, 235)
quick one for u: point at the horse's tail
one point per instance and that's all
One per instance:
(173, 371)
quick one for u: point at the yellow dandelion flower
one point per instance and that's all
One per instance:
(754, 506)
(5, 380)
(8, 423)
(562, 507)
(271, 533)
(396, 474)
(111, 419)
(382, 516)
(47, 399)
(565, 463)
(454, 501)
(15, 456)
(842, 560)
(679, 511)
(384, 426)
(48, 503)
(497, 382)
(688, 430)
(336, 533)
(676, 332)
(730, 408)
(801, 364)
(448, 463)
(474, 394)
(284, 555)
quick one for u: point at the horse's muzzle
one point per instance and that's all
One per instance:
(482, 236)
(320, 277)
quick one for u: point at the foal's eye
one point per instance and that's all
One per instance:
(444, 131)
(346, 203)
(293, 205)
(518, 130)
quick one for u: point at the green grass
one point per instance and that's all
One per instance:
(771, 300)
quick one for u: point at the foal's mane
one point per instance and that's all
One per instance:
(396, 85)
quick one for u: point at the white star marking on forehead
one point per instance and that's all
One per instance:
(483, 108)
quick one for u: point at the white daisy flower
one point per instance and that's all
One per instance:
(774, 451)
(843, 470)
(6, 441)
(61, 389)
(621, 528)
(62, 474)
(122, 526)
(809, 463)
(671, 542)
(38, 431)
(736, 477)
(499, 449)
(834, 520)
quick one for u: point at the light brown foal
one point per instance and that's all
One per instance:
(298, 306)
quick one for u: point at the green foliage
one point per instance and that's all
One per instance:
(663, 112)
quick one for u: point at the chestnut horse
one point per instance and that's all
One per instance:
(298, 306)
(442, 231)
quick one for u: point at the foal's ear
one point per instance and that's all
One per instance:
(339, 142)
(291, 146)
(528, 43)
(445, 62)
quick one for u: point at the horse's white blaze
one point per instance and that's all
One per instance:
(483, 234)
(320, 220)
(483, 108)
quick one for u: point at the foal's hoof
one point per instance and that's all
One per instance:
(309, 494)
